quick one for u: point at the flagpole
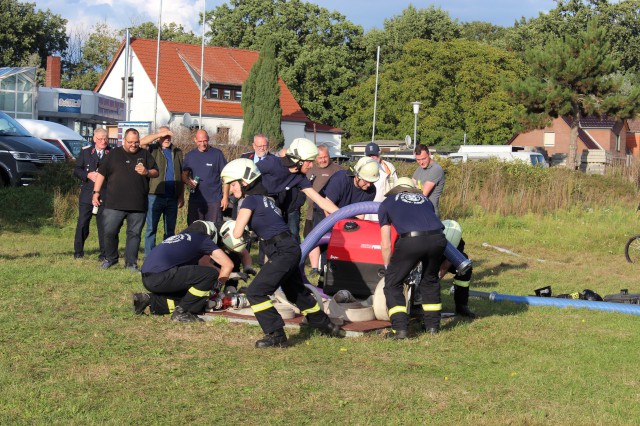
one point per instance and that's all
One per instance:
(375, 97)
(204, 11)
(155, 100)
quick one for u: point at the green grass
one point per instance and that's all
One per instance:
(72, 352)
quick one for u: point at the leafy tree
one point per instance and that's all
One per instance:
(485, 32)
(427, 24)
(459, 85)
(320, 53)
(573, 77)
(170, 32)
(25, 31)
(98, 48)
(261, 98)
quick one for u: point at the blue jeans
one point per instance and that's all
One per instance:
(160, 206)
(112, 222)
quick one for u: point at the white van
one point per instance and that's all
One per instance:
(67, 140)
(506, 153)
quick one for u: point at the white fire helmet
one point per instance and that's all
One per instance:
(452, 231)
(226, 232)
(240, 169)
(367, 169)
(302, 149)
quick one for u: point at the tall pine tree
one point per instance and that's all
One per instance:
(574, 77)
(261, 98)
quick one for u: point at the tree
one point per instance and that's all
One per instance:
(459, 85)
(97, 49)
(574, 77)
(170, 32)
(25, 31)
(320, 53)
(426, 24)
(261, 98)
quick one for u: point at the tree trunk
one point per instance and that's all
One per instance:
(572, 156)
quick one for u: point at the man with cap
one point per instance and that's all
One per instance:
(178, 285)
(429, 176)
(420, 240)
(388, 175)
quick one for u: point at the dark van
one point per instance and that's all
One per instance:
(22, 157)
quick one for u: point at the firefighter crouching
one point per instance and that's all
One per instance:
(420, 240)
(259, 212)
(178, 285)
(453, 233)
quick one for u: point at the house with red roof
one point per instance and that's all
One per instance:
(178, 102)
(597, 137)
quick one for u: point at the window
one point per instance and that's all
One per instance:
(618, 143)
(549, 139)
(237, 95)
(226, 94)
(214, 93)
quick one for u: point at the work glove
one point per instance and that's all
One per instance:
(217, 286)
(237, 276)
(249, 270)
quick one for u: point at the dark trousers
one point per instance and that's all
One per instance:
(282, 270)
(461, 282)
(185, 286)
(204, 211)
(82, 228)
(160, 206)
(113, 220)
(429, 250)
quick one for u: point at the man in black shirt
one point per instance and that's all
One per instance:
(128, 170)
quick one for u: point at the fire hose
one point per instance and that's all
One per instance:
(558, 303)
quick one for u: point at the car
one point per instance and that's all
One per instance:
(70, 142)
(22, 156)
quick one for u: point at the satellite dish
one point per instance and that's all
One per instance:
(194, 123)
(186, 119)
(407, 141)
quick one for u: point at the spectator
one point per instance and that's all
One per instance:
(260, 149)
(388, 175)
(201, 173)
(429, 176)
(319, 174)
(128, 170)
(166, 192)
(86, 168)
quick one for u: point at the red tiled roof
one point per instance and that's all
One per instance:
(179, 91)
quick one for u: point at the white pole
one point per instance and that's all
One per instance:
(375, 97)
(127, 67)
(204, 10)
(155, 100)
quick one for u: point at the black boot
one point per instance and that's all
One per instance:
(180, 315)
(464, 311)
(140, 302)
(331, 330)
(396, 335)
(277, 339)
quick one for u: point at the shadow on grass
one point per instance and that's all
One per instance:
(20, 256)
(480, 278)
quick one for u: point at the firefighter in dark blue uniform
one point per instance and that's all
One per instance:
(85, 169)
(280, 175)
(178, 285)
(260, 213)
(420, 240)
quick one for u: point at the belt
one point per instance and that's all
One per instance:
(276, 238)
(420, 233)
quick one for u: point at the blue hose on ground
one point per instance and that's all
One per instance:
(622, 308)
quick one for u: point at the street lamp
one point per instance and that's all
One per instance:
(416, 108)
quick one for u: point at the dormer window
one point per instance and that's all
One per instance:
(224, 92)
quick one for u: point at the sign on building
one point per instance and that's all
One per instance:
(143, 127)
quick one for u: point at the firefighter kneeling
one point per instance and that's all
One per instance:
(420, 240)
(453, 232)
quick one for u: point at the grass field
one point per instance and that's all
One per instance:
(72, 352)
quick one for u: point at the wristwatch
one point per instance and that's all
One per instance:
(96, 192)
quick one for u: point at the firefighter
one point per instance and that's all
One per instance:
(260, 213)
(453, 233)
(178, 285)
(420, 240)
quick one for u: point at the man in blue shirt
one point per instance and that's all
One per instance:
(420, 240)
(178, 285)
(166, 192)
(201, 173)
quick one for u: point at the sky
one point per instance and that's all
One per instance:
(82, 14)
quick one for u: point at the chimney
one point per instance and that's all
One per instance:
(52, 78)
